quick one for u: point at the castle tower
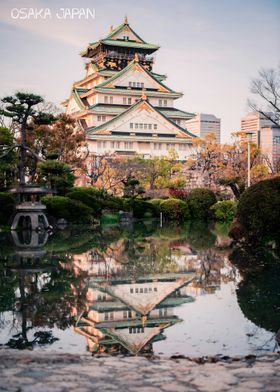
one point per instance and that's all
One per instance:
(123, 105)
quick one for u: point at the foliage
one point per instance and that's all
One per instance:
(156, 203)
(56, 175)
(22, 108)
(8, 159)
(62, 140)
(7, 205)
(64, 207)
(200, 200)
(159, 172)
(258, 210)
(178, 193)
(224, 210)
(174, 209)
(141, 208)
(88, 198)
(226, 164)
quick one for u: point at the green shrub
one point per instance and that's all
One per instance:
(224, 211)
(114, 203)
(141, 208)
(258, 210)
(57, 175)
(7, 205)
(87, 198)
(200, 200)
(156, 203)
(91, 190)
(63, 207)
(175, 209)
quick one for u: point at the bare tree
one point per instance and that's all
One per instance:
(266, 88)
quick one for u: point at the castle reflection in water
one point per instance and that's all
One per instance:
(124, 290)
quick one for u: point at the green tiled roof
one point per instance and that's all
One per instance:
(120, 28)
(90, 130)
(151, 93)
(176, 113)
(107, 109)
(120, 43)
(117, 109)
(129, 44)
(135, 323)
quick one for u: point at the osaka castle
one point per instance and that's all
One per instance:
(124, 107)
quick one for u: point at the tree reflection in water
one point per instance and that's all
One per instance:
(259, 291)
(117, 287)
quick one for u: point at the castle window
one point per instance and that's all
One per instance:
(106, 99)
(112, 144)
(160, 102)
(130, 84)
(111, 99)
(129, 101)
(142, 85)
(155, 126)
(141, 126)
(103, 118)
(104, 144)
(98, 118)
(131, 125)
(136, 126)
(150, 126)
(118, 144)
(165, 102)
(138, 85)
(145, 126)
(124, 100)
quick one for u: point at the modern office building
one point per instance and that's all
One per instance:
(270, 145)
(203, 124)
(253, 123)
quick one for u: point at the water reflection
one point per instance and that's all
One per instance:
(119, 289)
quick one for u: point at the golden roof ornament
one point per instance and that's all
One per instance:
(143, 96)
(125, 20)
(143, 320)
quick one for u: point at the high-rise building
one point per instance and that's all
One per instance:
(253, 123)
(270, 144)
(203, 124)
(123, 105)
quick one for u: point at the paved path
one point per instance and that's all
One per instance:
(52, 372)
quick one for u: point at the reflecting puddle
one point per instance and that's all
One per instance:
(136, 290)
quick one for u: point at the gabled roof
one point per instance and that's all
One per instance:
(115, 109)
(144, 103)
(123, 27)
(112, 40)
(133, 64)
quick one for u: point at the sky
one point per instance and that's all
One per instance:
(210, 49)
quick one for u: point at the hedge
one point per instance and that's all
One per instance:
(63, 207)
(174, 209)
(258, 210)
(200, 200)
(224, 211)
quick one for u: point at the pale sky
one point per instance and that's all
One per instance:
(210, 49)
